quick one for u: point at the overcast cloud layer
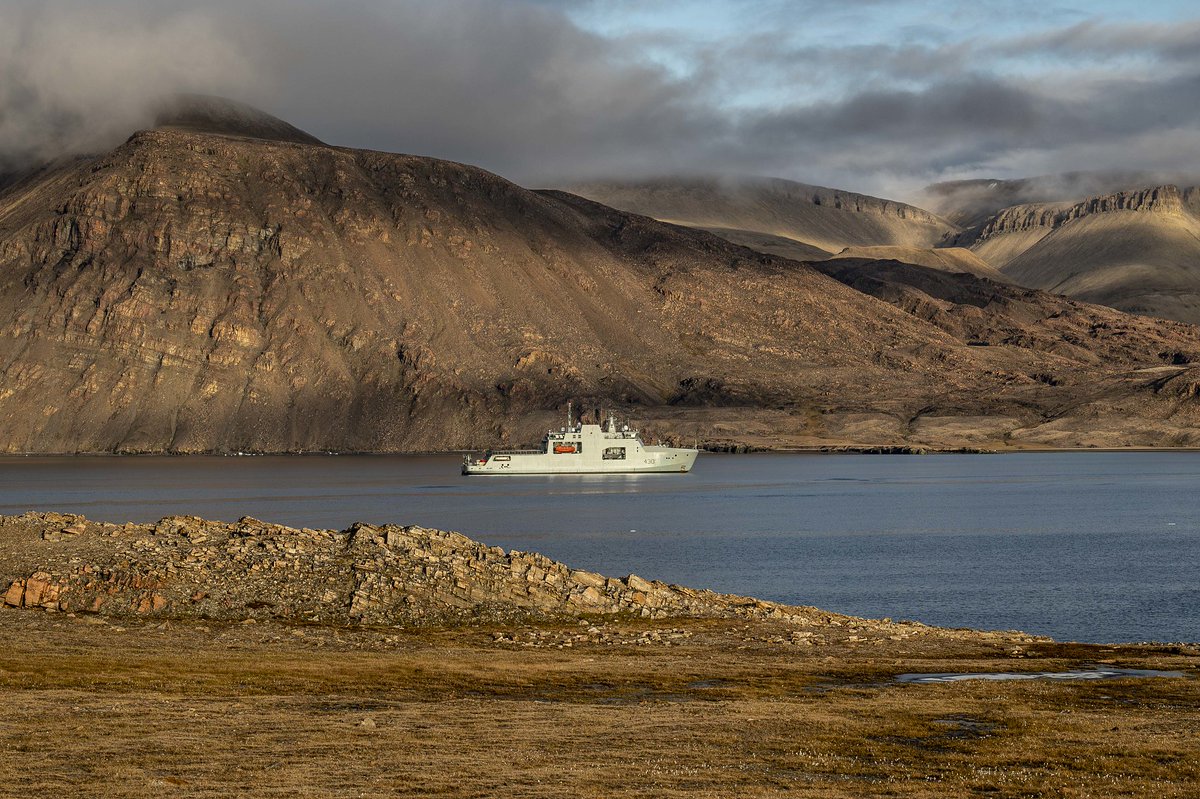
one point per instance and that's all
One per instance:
(871, 96)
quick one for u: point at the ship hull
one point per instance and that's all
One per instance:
(667, 460)
(585, 449)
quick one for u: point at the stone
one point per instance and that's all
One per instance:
(15, 594)
(424, 577)
(638, 584)
(588, 578)
(36, 589)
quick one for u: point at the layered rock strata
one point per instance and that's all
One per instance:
(227, 283)
(1048, 217)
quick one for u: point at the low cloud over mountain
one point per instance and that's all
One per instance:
(545, 91)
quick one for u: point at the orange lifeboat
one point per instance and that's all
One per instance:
(561, 449)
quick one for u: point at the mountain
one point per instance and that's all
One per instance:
(969, 203)
(198, 113)
(1138, 251)
(947, 259)
(795, 220)
(219, 286)
(813, 220)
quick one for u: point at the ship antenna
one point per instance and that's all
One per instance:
(570, 417)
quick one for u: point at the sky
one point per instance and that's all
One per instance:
(879, 96)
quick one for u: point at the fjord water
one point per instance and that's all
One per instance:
(1100, 547)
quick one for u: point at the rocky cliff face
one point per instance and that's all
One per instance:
(1023, 218)
(970, 203)
(1134, 250)
(213, 291)
(193, 292)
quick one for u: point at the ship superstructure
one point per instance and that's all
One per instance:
(584, 449)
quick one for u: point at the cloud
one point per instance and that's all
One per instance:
(525, 89)
(76, 76)
(1096, 39)
(511, 86)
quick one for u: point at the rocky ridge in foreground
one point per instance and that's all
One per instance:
(184, 567)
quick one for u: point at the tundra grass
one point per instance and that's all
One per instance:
(710, 709)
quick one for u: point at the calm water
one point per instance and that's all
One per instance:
(1083, 546)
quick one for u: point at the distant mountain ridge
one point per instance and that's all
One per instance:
(1137, 250)
(1051, 216)
(1114, 238)
(969, 203)
(823, 219)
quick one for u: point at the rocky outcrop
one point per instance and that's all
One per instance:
(968, 203)
(186, 567)
(839, 200)
(1135, 250)
(1022, 218)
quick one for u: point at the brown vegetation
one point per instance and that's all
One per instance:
(616, 707)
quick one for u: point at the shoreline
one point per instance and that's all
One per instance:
(196, 657)
(54, 569)
(849, 449)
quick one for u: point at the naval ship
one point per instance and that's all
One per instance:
(584, 449)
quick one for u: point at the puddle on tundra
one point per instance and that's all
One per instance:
(965, 727)
(1083, 674)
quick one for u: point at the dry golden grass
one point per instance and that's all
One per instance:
(95, 710)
